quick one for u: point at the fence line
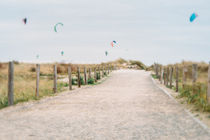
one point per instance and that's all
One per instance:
(97, 76)
(166, 74)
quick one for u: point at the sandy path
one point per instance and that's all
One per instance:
(126, 106)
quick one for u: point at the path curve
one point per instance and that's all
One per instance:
(126, 106)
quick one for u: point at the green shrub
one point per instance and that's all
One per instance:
(74, 81)
(155, 76)
(91, 81)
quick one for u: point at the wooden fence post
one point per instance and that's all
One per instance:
(95, 75)
(11, 83)
(184, 76)
(194, 76)
(102, 71)
(208, 91)
(167, 76)
(55, 79)
(171, 76)
(78, 77)
(85, 75)
(164, 76)
(161, 74)
(89, 73)
(37, 79)
(177, 78)
(99, 72)
(70, 78)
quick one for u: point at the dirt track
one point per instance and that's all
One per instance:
(126, 106)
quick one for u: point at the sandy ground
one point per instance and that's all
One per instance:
(126, 106)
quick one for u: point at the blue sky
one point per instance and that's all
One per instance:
(146, 30)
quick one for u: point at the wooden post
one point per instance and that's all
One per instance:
(95, 75)
(99, 72)
(171, 76)
(78, 77)
(70, 78)
(55, 79)
(208, 91)
(194, 76)
(161, 75)
(177, 78)
(37, 79)
(164, 75)
(167, 76)
(89, 73)
(184, 76)
(11, 83)
(102, 71)
(194, 73)
(85, 75)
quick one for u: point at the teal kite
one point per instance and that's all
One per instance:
(58, 24)
(62, 53)
(193, 17)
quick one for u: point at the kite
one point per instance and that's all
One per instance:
(25, 20)
(55, 27)
(62, 53)
(106, 53)
(113, 43)
(193, 17)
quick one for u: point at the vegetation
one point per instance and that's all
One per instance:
(25, 80)
(139, 64)
(91, 81)
(194, 94)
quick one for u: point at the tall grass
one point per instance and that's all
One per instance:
(194, 94)
(25, 80)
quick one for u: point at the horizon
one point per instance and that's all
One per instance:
(147, 31)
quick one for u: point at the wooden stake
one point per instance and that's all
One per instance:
(161, 74)
(194, 76)
(89, 73)
(85, 75)
(171, 76)
(11, 84)
(70, 77)
(177, 78)
(55, 79)
(37, 79)
(78, 77)
(184, 76)
(208, 91)
(95, 75)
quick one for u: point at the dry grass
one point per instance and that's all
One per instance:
(195, 94)
(25, 81)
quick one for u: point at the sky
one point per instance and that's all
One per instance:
(145, 30)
